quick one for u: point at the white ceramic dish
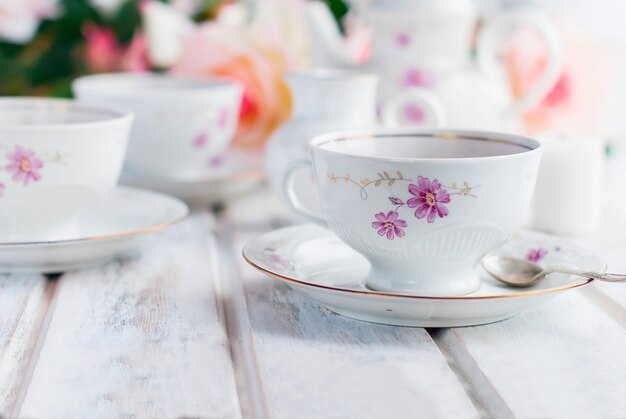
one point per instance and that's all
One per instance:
(56, 157)
(233, 174)
(181, 122)
(314, 262)
(119, 223)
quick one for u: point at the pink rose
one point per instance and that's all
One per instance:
(103, 52)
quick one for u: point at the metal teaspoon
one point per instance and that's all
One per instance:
(521, 273)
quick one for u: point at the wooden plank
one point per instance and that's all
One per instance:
(252, 399)
(562, 359)
(313, 363)
(141, 337)
(23, 304)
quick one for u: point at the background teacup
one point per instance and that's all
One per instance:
(181, 123)
(422, 206)
(56, 157)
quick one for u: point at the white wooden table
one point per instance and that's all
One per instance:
(190, 330)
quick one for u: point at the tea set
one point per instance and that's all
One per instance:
(417, 217)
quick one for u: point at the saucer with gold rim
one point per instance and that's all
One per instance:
(313, 261)
(227, 176)
(118, 224)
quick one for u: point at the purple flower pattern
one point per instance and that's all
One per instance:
(24, 165)
(201, 140)
(536, 255)
(389, 225)
(403, 39)
(429, 199)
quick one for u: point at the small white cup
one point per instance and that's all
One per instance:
(423, 206)
(181, 123)
(56, 157)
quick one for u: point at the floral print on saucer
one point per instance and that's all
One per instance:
(313, 261)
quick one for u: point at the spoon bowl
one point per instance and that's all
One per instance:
(522, 273)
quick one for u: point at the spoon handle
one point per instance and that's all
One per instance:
(608, 277)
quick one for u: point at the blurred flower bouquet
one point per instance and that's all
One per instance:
(44, 44)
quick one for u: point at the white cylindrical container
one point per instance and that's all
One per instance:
(569, 194)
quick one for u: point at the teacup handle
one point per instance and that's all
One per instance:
(291, 195)
(423, 99)
(487, 54)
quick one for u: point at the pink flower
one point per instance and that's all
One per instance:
(429, 199)
(200, 141)
(216, 161)
(281, 262)
(389, 225)
(414, 114)
(24, 165)
(536, 255)
(222, 119)
(403, 39)
(414, 77)
(103, 53)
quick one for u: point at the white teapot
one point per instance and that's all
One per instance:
(427, 45)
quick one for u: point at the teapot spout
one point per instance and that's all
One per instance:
(329, 47)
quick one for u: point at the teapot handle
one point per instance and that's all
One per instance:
(431, 110)
(491, 36)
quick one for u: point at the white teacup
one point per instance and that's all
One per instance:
(423, 206)
(181, 123)
(56, 157)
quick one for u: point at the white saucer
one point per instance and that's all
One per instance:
(313, 261)
(118, 225)
(227, 176)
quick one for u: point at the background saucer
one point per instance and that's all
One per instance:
(227, 177)
(118, 224)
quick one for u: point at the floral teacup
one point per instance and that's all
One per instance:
(423, 206)
(181, 125)
(56, 157)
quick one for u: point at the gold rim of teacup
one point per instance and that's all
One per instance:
(527, 145)
(59, 105)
